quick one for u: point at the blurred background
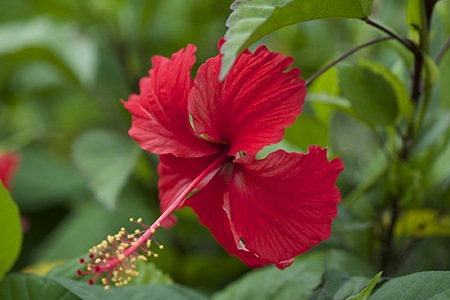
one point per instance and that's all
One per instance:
(65, 65)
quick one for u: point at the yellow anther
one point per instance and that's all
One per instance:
(139, 220)
(106, 287)
(152, 230)
(131, 220)
(142, 257)
(161, 247)
(155, 255)
(110, 239)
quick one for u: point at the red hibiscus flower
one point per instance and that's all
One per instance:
(207, 134)
(8, 165)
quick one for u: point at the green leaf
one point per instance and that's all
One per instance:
(32, 287)
(296, 282)
(338, 285)
(62, 39)
(106, 160)
(35, 189)
(431, 70)
(137, 292)
(365, 293)
(307, 130)
(150, 274)
(423, 222)
(402, 94)
(423, 285)
(432, 131)
(370, 94)
(90, 222)
(413, 16)
(251, 20)
(11, 237)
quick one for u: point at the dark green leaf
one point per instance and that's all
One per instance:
(138, 292)
(11, 237)
(32, 287)
(417, 286)
(370, 94)
(106, 160)
(35, 189)
(338, 285)
(252, 20)
(296, 282)
(405, 106)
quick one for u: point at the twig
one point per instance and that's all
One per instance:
(406, 42)
(343, 56)
(442, 52)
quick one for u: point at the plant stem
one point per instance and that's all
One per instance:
(389, 257)
(343, 56)
(442, 51)
(406, 42)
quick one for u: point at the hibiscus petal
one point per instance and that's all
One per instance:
(8, 165)
(252, 106)
(177, 173)
(160, 119)
(283, 205)
(210, 206)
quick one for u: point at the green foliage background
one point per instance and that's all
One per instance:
(64, 66)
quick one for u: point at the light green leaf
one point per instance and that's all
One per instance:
(150, 274)
(307, 130)
(296, 282)
(413, 16)
(371, 95)
(424, 285)
(75, 50)
(365, 293)
(32, 287)
(431, 70)
(11, 237)
(251, 20)
(106, 160)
